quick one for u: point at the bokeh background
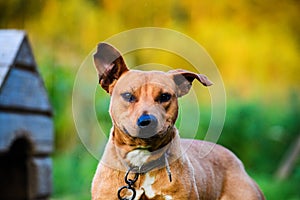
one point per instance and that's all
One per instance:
(255, 44)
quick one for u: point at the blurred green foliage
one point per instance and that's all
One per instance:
(255, 44)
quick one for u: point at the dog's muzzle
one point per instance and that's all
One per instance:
(147, 125)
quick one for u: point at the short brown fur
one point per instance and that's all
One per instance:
(199, 169)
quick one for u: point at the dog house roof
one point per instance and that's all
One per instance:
(14, 49)
(25, 110)
(20, 83)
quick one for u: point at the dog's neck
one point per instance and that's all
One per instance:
(128, 143)
(123, 151)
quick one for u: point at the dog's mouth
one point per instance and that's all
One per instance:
(141, 133)
(128, 142)
(147, 133)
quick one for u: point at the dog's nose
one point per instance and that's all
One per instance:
(147, 121)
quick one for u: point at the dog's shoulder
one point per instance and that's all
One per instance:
(210, 152)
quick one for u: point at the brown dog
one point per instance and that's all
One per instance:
(144, 145)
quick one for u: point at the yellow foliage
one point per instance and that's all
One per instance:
(254, 43)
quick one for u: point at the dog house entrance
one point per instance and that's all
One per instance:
(14, 171)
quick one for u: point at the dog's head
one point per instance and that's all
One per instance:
(143, 104)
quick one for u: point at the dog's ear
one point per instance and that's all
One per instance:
(183, 79)
(109, 64)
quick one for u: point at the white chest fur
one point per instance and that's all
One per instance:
(138, 157)
(146, 187)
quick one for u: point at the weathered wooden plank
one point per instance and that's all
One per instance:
(38, 129)
(25, 90)
(40, 181)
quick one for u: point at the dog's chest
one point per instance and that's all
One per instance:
(138, 157)
(147, 190)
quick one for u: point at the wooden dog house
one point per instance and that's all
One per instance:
(26, 126)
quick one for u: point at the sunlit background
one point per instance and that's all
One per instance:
(255, 44)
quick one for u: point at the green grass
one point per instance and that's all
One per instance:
(72, 173)
(275, 189)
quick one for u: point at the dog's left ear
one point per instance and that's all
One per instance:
(183, 79)
(109, 64)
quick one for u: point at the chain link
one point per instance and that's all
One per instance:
(129, 186)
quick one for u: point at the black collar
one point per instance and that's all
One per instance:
(160, 162)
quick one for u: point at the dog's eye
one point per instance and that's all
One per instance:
(128, 97)
(164, 97)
